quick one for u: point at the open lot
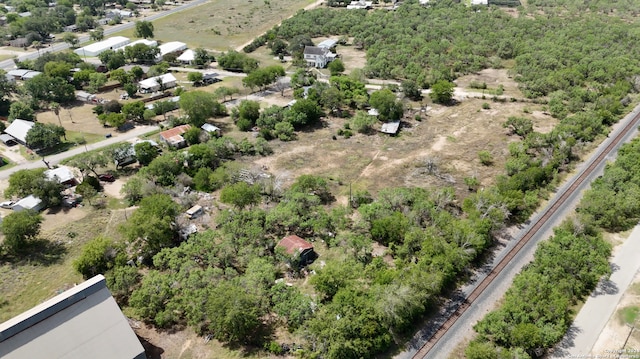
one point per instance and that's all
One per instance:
(222, 25)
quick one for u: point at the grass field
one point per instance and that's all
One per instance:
(223, 25)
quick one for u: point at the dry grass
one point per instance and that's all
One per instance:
(222, 25)
(24, 285)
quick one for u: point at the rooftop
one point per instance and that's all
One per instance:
(176, 131)
(293, 244)
(82, 322)
(18, 129)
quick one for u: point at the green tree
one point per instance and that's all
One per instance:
(22, 111)
(97, 34)
(442, 92)
(145, 152)
(388, 106)
(71, 39)
(284, 131)
(164, 169)
(18, 228)
(201, 57)
(134, 111)
(362, 122)
(336, 67)
(87, 191)
(199, 106)
(97, 257)
(121, 281)
(44, 135)
(240, 195)
(411, 89)
(304, 112)
(521, 126)
(151, 227)
(195, 77)
(96, 81)
(144, 29)
(23, 182)
(233, 313)
(192, 136)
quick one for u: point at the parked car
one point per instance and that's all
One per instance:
(7, 204)
(106, 177)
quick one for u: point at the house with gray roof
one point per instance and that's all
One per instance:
(318, 57)
(18, 129)
(82, 322)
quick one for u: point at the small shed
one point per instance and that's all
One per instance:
(210, 77)
(84, 96)
(293, 245)
(187, 57)
(194, 211)
(390, 128)
(211, 129)
(328, 44)
(30, 202)
(8, 140)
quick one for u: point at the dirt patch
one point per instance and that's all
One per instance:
(112, 189)
(351, 57)
(614, 335)
(492, 78)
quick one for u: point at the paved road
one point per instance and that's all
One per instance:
(601, 305)
(463, 328)
(55, 159)
(9, 64)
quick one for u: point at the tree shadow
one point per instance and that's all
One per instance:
(568, 342)
(39, 251)
(152, 351)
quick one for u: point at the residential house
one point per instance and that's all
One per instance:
(173, 137)
(18, 129)
(23, 74)
(30, 202)
(318, 57)
(62, 175)
(81, 322)
(294, 245)
(19, 42)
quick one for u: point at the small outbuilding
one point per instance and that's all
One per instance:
(194, 211)
(173, 137)
(30, 202)
(211, 129)
(84, 96)
(187, 57)
(8, 140)
(390, 128)
(152, 84)
(293, 245)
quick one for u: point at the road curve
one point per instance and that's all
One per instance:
(440, 336)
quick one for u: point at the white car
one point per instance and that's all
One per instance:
(7, 204)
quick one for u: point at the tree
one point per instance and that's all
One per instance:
(201, 57)
(47, 89)
(134, 111)
(44, 135)
(192, 136)
(199, 106)
(89, 162)
(362, 122)
(336, 67)
(23, 182)
(22, 111)
(144, 29)
(131, 89)
(521, 126)
(411, 90)
(145, 152)
(120, 75)
(58, 69)
(151, 227)
(236, 61)
(284, 131)
(442, 92)
(233, 312)
(164, 169)
(97, 34)
(195, 77)
(97, 257)
(113, 119)
(224, 91)
(112, 59)
(304, 112)
(240, 195)
(18, 229)
(96, 81)
(389, 108)
(71, 39)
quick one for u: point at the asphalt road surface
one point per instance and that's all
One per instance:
(55, 159)
(463, 327)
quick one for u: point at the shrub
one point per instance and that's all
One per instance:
(485, 158)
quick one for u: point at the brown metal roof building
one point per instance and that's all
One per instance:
(173, 137)
(293, 244)
(83, 322)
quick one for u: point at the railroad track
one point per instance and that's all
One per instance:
(546, 215)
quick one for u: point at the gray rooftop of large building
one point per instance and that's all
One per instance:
(82, 322)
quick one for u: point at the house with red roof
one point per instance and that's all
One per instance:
(294, 245)
(173, 137)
